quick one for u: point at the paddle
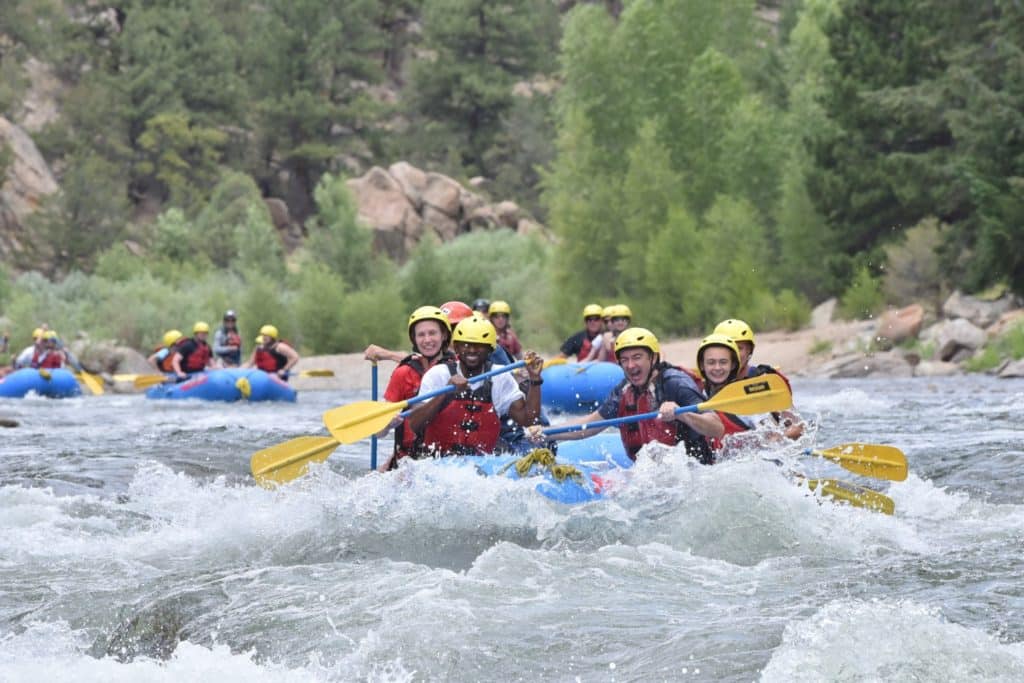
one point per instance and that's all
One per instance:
(869, 460)
(92, 382)
(286, 461)
(316, 373)
(373, 396)
(857, 496)
(764, 394)
(357, 421)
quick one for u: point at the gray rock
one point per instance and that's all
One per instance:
(1012, 369)
(822, 313)
(932, 368)
(979, 312)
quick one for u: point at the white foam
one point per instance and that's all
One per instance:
(881, 640)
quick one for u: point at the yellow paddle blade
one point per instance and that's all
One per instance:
(357, 421)
(144, 381)
(869, 460)
(762, 394)
(283, 462)
(857, 496)
(129, 377)
(317, 373)
(92, 382)
(554, 361)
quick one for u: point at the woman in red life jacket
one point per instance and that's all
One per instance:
(161, 357)
(718, 360)
(193, 354)
(499, 313)
(790, 424)
(466, 421)
(650, 385)
(431, 335)
(586, 343)
(274, 355)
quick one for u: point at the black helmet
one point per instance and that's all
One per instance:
(481, 305)
(230, 315)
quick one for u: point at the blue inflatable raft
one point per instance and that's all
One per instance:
(578, 387)
(577, 474)
(233, 384)
(57, 383)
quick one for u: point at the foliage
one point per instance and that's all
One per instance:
(914, 270)
(863, 298)
(477, 50)
(179, 159)
(258, 252)
(373, 315)
(1010, 344)
(336, 239)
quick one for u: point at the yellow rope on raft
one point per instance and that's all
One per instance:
(545, 459)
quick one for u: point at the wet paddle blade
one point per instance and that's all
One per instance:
(286, 461)
(763, 394)
(869, 460)
(92, 382)
(357, 421)
(145, 381)
(553, 361)
(857, 496)
(317, 373)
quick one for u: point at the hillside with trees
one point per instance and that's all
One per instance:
(693, 158)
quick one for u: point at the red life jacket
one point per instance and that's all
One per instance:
(50, 360)
(166, 363)
(466, 425)
(584, 349)
(269, 360)
(194, 354)
(407, 442)
(637, 434)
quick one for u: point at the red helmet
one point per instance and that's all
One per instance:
(456, 311)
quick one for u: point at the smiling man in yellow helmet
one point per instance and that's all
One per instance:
(273, 355)
(650, 385)
(468, 421)
(586, 344)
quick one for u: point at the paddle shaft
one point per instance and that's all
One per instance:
(601, 424)
(373, 396)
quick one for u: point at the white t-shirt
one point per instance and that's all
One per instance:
(504, 388)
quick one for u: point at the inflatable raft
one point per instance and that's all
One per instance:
(233, 384)
(574, 475)
(578, 387)
(57, 383)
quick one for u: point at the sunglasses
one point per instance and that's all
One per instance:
(591, 318)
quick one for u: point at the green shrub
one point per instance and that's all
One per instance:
(820, 346)
(863, 298)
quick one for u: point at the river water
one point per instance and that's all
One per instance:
(134, 545)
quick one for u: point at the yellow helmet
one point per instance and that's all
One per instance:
(715, 339)
(637, 337)
(269, 331)
(429, 313)
(476, 330)
(591, 310)
(620, 311)
(38, 333)
(50, 334)
(499, 307)
(736, 329)
(200, 327)
(259, 338)
(172, 336)
(606, 312)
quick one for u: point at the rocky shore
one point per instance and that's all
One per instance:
(907, 342)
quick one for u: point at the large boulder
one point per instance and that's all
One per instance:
(384, 206)
(442, 193)
(823, 312)
(1012, 369)
(979, 312)
(897, 325)
(412, 180)
(27, 183)
(955, 339)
